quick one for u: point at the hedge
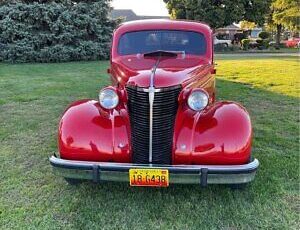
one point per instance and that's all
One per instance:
(262, 44)
(245, 44)
(55, 31)
(264, 35)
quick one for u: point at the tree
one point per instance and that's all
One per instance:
(177, 9)
(219, 13)
(246, 25)
(284, 13)
(55, 31)
(45, 1)
(287, 13)
(256, 10)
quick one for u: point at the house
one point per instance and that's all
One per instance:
(228, 32)
(255, 31)
(129, 15)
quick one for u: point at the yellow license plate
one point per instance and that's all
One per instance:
(149, 177)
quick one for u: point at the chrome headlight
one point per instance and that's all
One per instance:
(198, 100)
(108, 98)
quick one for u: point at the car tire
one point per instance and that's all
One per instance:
(72, 181)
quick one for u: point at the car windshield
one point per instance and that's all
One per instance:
(170, 40)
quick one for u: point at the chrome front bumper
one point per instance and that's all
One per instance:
(179, 174)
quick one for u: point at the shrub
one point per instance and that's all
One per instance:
(224, 48)
(219, 47)
(245, 44)
(264, 35)
(238, 37)
(263, 43)
(55, 31)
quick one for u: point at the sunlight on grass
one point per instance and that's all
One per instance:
(281, 75)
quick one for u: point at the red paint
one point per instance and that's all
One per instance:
(89, 133)
(135, 70)
(221, 134)
(292, 43)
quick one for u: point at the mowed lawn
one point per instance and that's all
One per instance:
(32, 99)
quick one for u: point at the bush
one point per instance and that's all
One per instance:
(55, 31)
(264, 35)
(238, 37)
(245, 44)
(262, 43)
(272, 45)
(224, 48)
(220, 47)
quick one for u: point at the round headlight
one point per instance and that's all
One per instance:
(108, 98)
(198, 100)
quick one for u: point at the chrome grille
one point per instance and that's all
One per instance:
(164, 112)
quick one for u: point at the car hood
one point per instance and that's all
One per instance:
(136, 71)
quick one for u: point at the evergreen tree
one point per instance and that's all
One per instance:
(53, 31)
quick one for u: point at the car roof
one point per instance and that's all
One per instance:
(150, 24)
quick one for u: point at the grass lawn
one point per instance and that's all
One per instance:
(32, 98)
(270, 50)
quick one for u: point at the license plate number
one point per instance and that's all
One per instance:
(149, 177)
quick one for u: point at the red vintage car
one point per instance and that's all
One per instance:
(159, 122)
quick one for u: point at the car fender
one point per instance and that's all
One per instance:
(220, 134)
(89, 133)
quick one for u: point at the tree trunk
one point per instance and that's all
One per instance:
(278, 34)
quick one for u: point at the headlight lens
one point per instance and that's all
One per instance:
(108, 98)
(198, 100)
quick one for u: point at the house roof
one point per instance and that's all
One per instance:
(232, 26)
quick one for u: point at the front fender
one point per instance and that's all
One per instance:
(221, 134)
(89, 133)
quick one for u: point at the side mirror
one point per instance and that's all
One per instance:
(108, 71)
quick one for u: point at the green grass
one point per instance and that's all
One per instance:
(32, 98)
(265, 51)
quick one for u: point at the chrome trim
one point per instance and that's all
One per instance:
(126, 166)
(151, 101)
(156, 90)
(183, 174)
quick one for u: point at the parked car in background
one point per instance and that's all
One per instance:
(159, 121)
(225, 43)
(292, 43)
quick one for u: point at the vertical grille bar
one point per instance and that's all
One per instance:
(164, 112)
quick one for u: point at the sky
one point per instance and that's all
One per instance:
(142, 7)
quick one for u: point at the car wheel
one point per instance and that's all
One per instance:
(225, 45)
(72, 181)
